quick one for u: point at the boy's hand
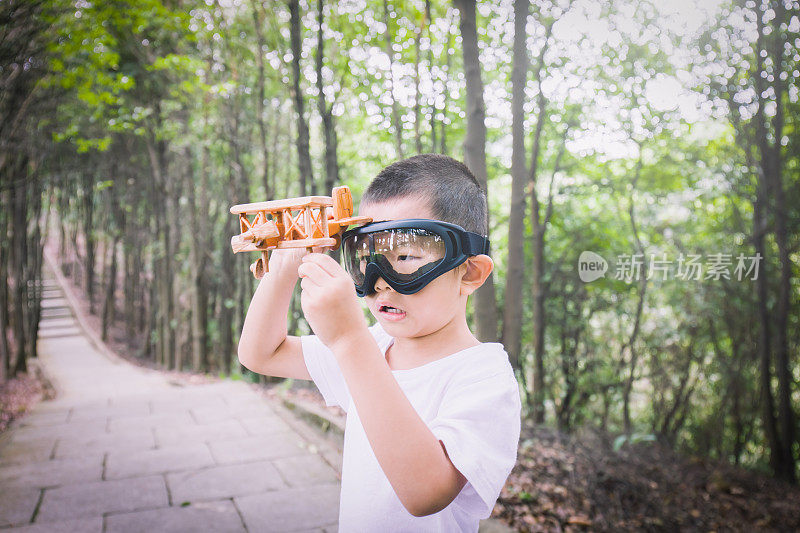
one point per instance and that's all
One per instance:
(286, 261)
(329, 300)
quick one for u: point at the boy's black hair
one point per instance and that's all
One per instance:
(453, 193)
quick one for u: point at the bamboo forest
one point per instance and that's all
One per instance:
(641, 161)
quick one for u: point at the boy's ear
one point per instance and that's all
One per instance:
(478, 268)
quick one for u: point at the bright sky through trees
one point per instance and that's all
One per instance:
(582, 32)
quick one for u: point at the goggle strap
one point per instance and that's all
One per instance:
(476, 244)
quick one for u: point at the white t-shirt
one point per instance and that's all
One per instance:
(469, 400)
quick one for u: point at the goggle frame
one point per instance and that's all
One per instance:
(460, 245)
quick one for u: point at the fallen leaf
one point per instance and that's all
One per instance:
(579, 520)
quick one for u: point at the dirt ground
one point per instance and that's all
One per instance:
(20, 394)
(579, 483)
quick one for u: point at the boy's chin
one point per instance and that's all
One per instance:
(393, 327)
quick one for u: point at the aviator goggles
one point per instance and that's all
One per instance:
(408, 254)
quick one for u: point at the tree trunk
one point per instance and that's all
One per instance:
(432, 121)
(63, 207)
(572, 397)
(275, 166)
(326, 111)
(631, 342)
(163, 268)
(512, 314)
(448, 62)
(198, 255)
(475, 157)
(111, 287)
(5, 347)
(304, 158)
(764, 336)
(149, 348)
(131, 275)
(417, 95)
(786, 416)
(18, 254)
(173, 245)
(227, 294)
(129, 312)
(735, 380)
(232, 295)
(34, 261)
(88, 236)
(25, 259)
(242, 282)
(774, 438)
(258, 22)
(396, 122)
(537, 272)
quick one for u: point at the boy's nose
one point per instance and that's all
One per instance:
(381, 285)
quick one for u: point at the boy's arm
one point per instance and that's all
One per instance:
(413, 459)
(264, 346)
(411, 456)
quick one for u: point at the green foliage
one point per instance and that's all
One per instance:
(627, 171)
(526, 496)
(109, 56)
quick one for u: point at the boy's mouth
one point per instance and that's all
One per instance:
(390, 312)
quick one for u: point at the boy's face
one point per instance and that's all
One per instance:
(424, 312)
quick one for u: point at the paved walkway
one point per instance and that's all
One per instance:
(126, 449)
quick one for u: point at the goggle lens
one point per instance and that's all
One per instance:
(404, 254)
(354, 249)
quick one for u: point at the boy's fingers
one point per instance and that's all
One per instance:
(325, 262)
(311, 270)
(307, 283)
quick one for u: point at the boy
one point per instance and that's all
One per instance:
(433, 415)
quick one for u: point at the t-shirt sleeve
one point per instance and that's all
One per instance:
(479, 425)
(324, 371)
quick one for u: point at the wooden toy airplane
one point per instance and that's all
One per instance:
(306, 222)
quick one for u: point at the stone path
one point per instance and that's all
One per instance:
(126, 449)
